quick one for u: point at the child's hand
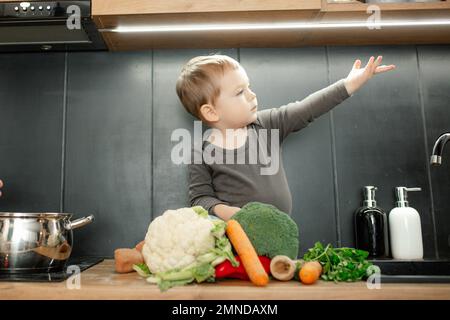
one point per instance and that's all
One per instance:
(1, 185)
(225, 212)
(358, 77)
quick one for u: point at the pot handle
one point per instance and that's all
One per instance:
(78, 223)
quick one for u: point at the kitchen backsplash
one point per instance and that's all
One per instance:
(90, 133)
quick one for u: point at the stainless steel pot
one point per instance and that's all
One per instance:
(36, 242)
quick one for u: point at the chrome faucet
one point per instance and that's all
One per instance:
(436, 157)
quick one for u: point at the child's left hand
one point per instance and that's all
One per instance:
(358, 77)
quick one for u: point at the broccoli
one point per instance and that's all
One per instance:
(271, 231)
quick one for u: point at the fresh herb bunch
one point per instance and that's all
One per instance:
(340, 264)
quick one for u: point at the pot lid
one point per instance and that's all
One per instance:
(34, 215)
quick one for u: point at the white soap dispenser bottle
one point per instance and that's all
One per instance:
(405, 229)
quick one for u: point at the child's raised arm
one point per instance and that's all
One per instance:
(299, 114)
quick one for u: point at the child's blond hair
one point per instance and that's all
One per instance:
(198, 82)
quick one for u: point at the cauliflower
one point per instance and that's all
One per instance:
(176, 238)
(182, 246)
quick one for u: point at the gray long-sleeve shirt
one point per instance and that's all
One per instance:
(237, 184)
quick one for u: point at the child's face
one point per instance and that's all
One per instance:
(237, 105)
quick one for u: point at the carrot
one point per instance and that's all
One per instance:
(125, 258)
(317, 265)
(140, 245)
(247, 253)
(310, 272)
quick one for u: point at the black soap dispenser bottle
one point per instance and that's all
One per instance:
(371, 226)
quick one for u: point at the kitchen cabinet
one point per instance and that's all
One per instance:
(101, 282)
(386, 35)
(110, 14)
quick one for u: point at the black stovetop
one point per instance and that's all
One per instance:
(414, 271)
(83, 263)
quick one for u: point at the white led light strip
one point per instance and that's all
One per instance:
(272, 26)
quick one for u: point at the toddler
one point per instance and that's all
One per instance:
(216, 90)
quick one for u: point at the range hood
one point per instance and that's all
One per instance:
(48, 26)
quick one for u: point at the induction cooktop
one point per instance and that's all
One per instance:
(73, 265)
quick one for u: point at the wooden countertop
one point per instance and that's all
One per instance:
(101, 282)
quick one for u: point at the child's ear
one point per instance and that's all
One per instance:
(209, 113)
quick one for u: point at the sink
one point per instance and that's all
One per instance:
(413, 271)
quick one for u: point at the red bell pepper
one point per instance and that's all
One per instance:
(226, 269)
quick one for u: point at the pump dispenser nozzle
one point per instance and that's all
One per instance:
(369, 196)
(401, 194)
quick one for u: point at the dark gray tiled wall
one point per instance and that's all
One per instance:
(108, 148)
(105, 119)
(31, 121)
(434, 71)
